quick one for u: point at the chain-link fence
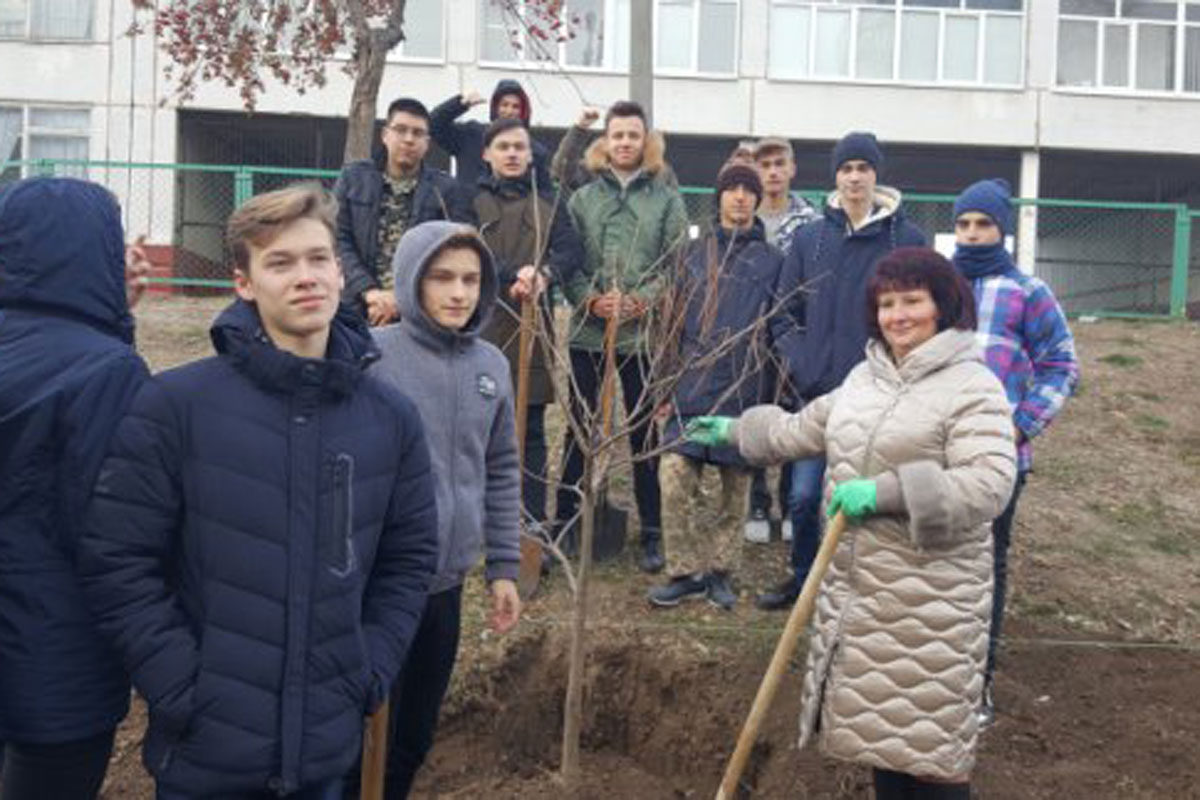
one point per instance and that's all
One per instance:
(1106, 259)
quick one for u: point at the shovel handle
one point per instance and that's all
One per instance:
(374, 754)
(796, 623)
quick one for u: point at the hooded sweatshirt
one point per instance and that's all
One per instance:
(461, 386)
(68, 372)
(464, 140)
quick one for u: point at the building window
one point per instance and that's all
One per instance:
(423, 32)
(586, 34)
(1129, 45)
(46, 19)
(697, 36)
(34, 132)
(919, 41)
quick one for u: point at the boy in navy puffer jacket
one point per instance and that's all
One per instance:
(262, 534)
(446, 283)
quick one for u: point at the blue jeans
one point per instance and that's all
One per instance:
(804, 504)
(325, 790)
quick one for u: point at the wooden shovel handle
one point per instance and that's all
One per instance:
(374, 754)
(609, 385)
(796, 623)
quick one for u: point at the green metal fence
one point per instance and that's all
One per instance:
(1101, 258)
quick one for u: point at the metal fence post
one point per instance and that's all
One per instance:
(1179, 264)
(243, 186)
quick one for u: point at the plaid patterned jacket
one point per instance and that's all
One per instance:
(1028, 345)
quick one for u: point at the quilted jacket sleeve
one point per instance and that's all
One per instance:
(405, 559)
(769, 435)
(945, 502)
(359, 278)
(131, 529)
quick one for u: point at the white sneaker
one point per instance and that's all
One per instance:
(785, 529)
(758, 528)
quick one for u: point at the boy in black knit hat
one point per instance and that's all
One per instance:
(824, 335)
(726, 289)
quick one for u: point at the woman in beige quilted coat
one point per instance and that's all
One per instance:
(920, 452)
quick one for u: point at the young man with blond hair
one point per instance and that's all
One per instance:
(263, 532)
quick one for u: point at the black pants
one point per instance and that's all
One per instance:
(588, 369)
(760, 496)
(64, 771)
(891, 785)
(417, 694)
(533, 482)
(1001, 539)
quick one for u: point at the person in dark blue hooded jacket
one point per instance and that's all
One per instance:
(825, 335)
(724, 365)
(263, 532)
(464, 140)
(67, 373)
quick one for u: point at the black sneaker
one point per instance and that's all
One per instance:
(669, 594)
(781, 598)
(651, 560)
(720, 593)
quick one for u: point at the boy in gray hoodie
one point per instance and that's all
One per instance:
(446, 284)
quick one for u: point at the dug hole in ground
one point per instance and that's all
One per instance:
(1098, 682)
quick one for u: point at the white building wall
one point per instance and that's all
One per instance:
(121, 80)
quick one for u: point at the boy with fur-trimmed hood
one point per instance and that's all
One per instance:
(446, 285)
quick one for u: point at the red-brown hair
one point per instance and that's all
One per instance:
(908, 268)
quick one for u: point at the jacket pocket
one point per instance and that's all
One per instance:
(343, 560)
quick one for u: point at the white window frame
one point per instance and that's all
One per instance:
(981, 15)
(1134, 24)
(397, 54)
(29, 132)
(693, 70)
(26, 34)
(611, 45)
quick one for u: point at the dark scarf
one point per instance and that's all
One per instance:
(977, 261)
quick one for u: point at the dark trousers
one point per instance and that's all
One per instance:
(588, 370)
(64, 770)
(417, 694)
(533, 481)
(760, 497)
(325, 790)
(891, 785)
(804, 504)
(1001, 538)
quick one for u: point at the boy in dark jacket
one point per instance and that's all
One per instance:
(67, 374)
(533, 242)
(825, 336)
(727, 291)
(464, 140)
(379, 199)
(446, 287)
(263, 532)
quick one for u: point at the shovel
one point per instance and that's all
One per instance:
(796, 623)
(531, 549)
(609, 521)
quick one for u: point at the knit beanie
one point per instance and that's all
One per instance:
(737, 174)
(857, 146)
(992, 197)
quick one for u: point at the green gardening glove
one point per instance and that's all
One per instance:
(709, 431)
(856, 498)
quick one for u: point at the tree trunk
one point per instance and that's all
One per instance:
(577, 660)
(368, 75)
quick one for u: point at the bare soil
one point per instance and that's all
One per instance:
(1098, 679)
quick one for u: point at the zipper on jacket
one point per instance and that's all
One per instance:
(345, 560)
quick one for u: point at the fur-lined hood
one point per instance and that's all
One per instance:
(654, 158)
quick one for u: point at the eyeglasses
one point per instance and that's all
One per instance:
(405, 132)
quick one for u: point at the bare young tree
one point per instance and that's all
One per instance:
(600, 433)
